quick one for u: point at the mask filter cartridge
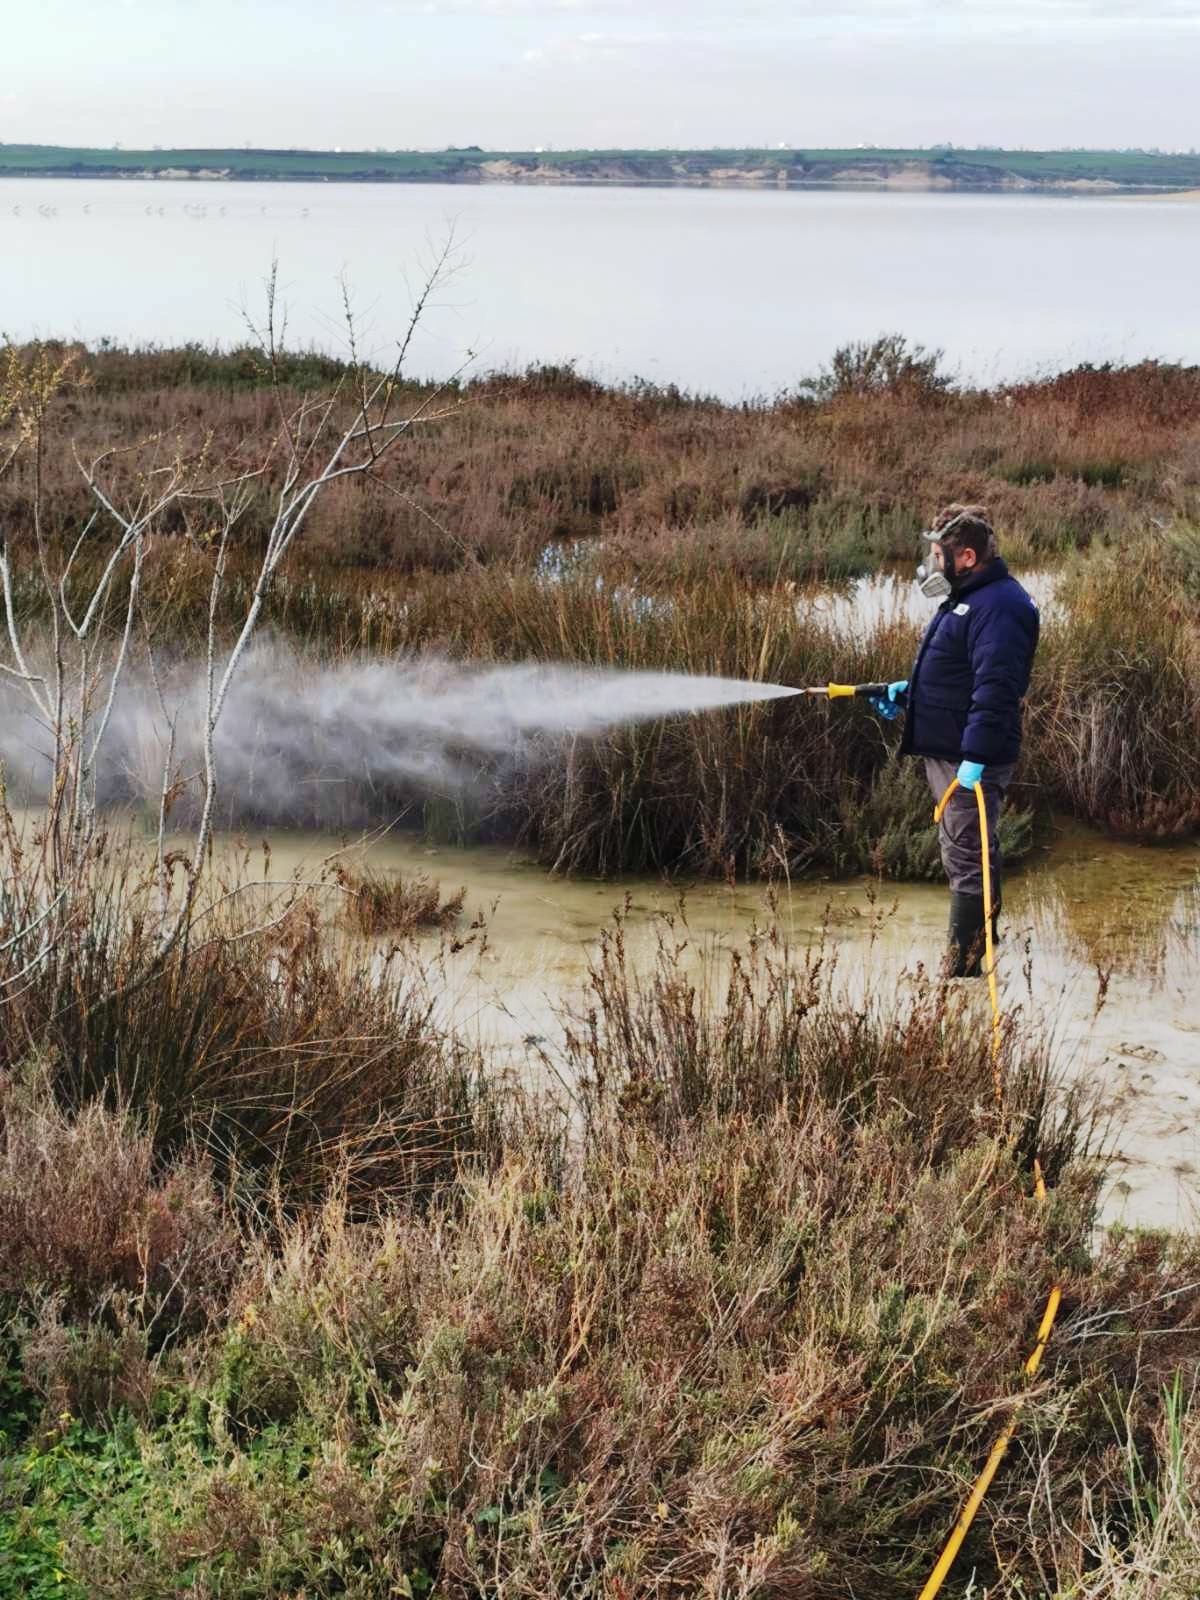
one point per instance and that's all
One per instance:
(933, 583)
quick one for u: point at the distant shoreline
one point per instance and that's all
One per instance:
(846, 186)
(864, 171)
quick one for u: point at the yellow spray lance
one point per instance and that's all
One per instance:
(846, 691)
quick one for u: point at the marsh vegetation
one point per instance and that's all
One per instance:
(544, 518)
(301, 1296)
(301, 1299)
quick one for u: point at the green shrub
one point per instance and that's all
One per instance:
(889, 830)
(887, 365)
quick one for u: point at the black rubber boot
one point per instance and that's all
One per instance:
(966, 936)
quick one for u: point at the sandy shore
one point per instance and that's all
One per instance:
(1170, 194)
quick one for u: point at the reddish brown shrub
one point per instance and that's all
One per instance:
(84, 1215)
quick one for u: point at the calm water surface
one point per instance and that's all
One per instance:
(736, 292)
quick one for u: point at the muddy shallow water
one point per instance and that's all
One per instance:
(1100, 947)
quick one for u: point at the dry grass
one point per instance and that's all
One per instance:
(792, 489)
(742, 1315)
(287, 1057)
(1114, 713)
(385, 902)
(86, 1214)
(751, 1335)
(675, 528)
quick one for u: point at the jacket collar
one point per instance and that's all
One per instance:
(991, 573)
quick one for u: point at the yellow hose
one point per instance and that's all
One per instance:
(975, 1499)
(988, 947)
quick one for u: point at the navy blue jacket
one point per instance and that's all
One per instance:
(972, 671)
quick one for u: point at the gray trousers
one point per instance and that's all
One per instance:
(958, 832)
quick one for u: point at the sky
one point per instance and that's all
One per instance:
(522, 74)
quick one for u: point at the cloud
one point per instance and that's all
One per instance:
(583, 49)
(610, 72)
(506, 8)
(785, 13)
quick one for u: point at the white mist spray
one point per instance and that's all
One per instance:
(346, 744)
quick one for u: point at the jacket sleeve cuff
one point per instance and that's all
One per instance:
(977, 755)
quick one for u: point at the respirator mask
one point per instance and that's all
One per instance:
(934, 582)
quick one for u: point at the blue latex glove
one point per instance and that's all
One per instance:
(970, 774)
(890, 708)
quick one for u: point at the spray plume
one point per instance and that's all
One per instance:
(353, 743)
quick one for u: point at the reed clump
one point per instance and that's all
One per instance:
(283, 1056)
(386, 902)
(87, 1212)
(742, 1318)
(1115, 708)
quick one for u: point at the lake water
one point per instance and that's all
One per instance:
(736, 292)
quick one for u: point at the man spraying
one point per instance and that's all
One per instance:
(963, 705)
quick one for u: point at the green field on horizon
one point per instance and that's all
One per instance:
(463, 164)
